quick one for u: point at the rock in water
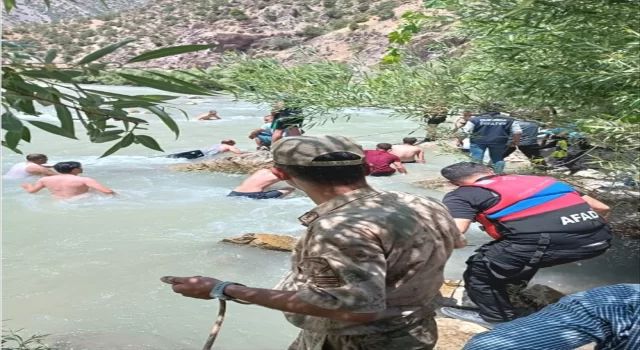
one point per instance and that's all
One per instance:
(453, 334)
(439, 184)
(236, 164)
(265, 241)
(536, 297)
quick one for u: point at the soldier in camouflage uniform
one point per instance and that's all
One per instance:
(370, 263)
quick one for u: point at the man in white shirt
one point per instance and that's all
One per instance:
(32, 167)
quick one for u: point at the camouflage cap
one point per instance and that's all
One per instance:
(302, 150)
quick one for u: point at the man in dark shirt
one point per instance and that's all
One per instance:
(380, 161)
(528, 144)
(536, 221)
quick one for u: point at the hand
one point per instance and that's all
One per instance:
(252, 136)
(26, 186)
(458, 143)
(513, 144)
(194, 287)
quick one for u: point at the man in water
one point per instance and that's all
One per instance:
(536, 222)
(212, 115)
(255, 185)
(67, 184)
(32, 167)
(222, 147)
(263, 136)
(380, 161)
(491, 131)
(286, 118)
(371, 262)
(408, 151)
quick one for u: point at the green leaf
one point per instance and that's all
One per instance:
(166, 118)
(66, 121)
(106, 138)
(104, 51)
(182, 82)
(162, 85)
(148, 142)
(142, 98)
(115, 148)
(9, 4)
(11, 123)
(12, 139)
(50, 56)
(169, 51)
(127, 140)
(52, 129)
(26, 134)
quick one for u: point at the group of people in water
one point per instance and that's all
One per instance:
(366, 273)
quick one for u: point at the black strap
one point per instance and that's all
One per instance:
(543, 244)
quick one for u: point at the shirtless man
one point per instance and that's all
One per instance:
(222, 147)
(68, 184)
(255, 185)
(32, 167)
(212, 115)
(407, 152)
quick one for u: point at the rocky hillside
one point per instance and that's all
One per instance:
(36, 12)
(291, 30)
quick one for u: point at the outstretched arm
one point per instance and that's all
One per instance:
(91, 183)
(597, 206)
(33, 188)
(400, 167)
(421, 157)
(235, 150)
(39, 170)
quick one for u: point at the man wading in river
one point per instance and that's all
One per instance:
(368, 266)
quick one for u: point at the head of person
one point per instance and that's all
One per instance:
(385, 147)
(495, 107)
(268, 118)
(409, 141)
(465, 173)
(228, 142)
(73, 168)
(213, 112)
(319, 164)
(467, 114)
(37, 158)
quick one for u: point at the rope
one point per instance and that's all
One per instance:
(216, 326)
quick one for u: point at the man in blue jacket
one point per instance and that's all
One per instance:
(491, 131)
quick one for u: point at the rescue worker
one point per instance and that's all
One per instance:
(370, 263)
(491, 131)
(536, 222)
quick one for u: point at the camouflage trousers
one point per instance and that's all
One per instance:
(421, 335)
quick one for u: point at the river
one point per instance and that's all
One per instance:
(87, 271)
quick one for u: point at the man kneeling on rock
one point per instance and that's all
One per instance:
(364, 274)
(255, 185)
(536, 222)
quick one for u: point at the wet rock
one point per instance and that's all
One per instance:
(264, 241)
(438, 184)
(236, 164)
(535, 297)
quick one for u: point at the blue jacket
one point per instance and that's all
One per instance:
(491, 128)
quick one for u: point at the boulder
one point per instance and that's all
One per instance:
(236, 164)
(265, 241)
(535, 297)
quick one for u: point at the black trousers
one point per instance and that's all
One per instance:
(499, 264)
(532, 152)
(187, 155)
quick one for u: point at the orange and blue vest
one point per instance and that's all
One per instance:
(535, 204)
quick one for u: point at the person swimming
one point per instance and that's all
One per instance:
(32, 167)
(67, 184)
(212, 115)
(255, 185)
(222, 147)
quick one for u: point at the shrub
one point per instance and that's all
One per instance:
(338, 24)
(281, 43)
(87, 34)
(354, 26)
(238, 15)
(364, 7)
(334, 13)
(387, 5)
(106, 16)
(361, 18)
(311, 32)
(329, 3)
(110, 32)
(271, 16)
(169, 8)
(385, 14)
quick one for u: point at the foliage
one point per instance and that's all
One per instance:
(29, 80)
(338, 23)
(281, 43)
(12, 340)
(310, 32)
(329, 3)
(238, 15)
